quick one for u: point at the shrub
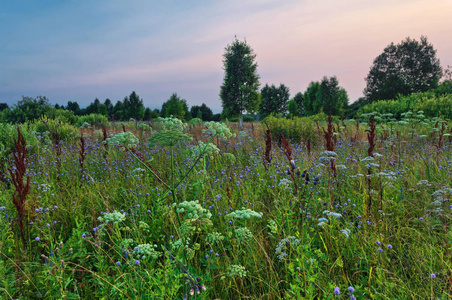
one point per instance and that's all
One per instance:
(93, 120)
(66, 131)
(295, 129)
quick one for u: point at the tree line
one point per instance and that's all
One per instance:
(131, 107)
(408, 67)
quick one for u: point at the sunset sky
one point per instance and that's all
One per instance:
(82, 50)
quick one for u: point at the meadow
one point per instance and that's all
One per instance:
(286, 209)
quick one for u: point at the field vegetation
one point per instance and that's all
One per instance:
(303, 208)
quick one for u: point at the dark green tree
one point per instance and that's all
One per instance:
(118, 111)
(74, 107)
(109, 105)
(352, 109)
(133, 107)
(176, 107)
(204, 110)
(406, 68)
(93, 107)
(3, 106)
(309, 98)
(330, 98)
(28, 109)
(274, 100)
(239, 92)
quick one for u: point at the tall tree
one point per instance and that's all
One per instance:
(274, 99)
(295, 106)
(134, 107)
(109, 107)
(74, 107)
(309, 98)
(177, 107)
(3, 106)
(118, 111)
(406, 68)
(331, 98)
(204, 110)
(239, 92)
(28, 109)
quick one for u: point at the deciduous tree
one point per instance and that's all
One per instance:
(406, 68)
(239, 92)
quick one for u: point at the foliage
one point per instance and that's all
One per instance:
(297, 129)
(428, 102)
(405, 68)
(203, 112)
(65, 130)
(330, 98)
(274, 100)
(27, 109)
(239, 91)
(295, 106)
(162, 223)
(3, 106)
(92, 120)
(175, 106)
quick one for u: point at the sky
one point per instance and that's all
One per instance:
(82, 50)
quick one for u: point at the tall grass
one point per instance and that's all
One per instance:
(216, 218)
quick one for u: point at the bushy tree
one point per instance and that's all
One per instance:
(3, 106)
(325, 96)
(239, 92)
(133, 107)
(74, 107)
(176, 107)
(406, 68)
(118, 111)
(293, 109)
(331, 98)
(309, 98)
(109, 106)
(150, 114)
(205, 112)
(274, 99)
(28, 109)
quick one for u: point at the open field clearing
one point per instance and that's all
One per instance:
(170, 210)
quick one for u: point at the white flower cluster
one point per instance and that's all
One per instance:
(290, 241)
(193, 210)
(285, 183)
(214, 238)
(115, 217)
(171, 123)
(123, 139)
(244, 214)
(220, 129)
(237, 270)
(333, 214)
(203, 149)
(145, 251)
(243, 234)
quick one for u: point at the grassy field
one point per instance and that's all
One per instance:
(206, 211)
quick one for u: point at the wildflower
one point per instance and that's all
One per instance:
(380, 250)
(433, 275)
(351, 289)
(390, 246)
(137, 262)
(118, 263)
(37, 239)
(337, 291)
